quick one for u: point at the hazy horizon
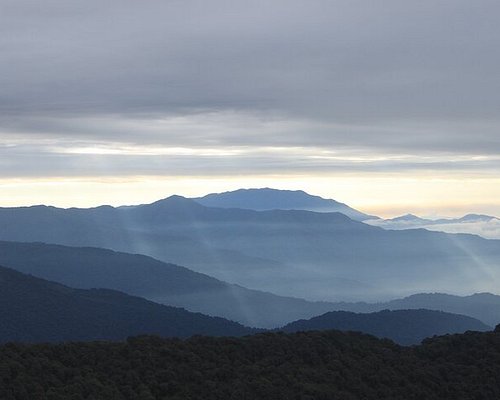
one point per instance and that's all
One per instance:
(383, 212)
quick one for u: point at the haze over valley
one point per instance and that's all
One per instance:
(296, 253)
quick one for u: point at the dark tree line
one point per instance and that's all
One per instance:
(303, 366)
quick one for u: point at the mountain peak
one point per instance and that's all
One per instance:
(264, 199)
(476, 218)
(407, 217)
(176, 200)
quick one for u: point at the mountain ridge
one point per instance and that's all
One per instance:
(139, 275)
(37, 310)
(265, 199)
(305, 254)
(482, 306)
(486, 226)
(405, 327)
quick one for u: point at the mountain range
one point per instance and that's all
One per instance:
(406, 327)
(295, 253)
(483, 306)
(486, 226)
(36, 310)
(138, 275)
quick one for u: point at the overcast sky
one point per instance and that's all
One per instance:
(351, 99)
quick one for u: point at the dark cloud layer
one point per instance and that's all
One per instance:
(411, 77)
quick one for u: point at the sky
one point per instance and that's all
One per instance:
(390, 106)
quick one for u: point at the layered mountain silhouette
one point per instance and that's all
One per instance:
(405, 327)
(486, 226)
(425, 221)
(318, 256)
(483, 306)
(138, 275)
(170, 284)
(36, 310)
(273, 199)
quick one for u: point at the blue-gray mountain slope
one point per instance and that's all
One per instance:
(273, 199)
(406, 327)
(169, 284)
(36, 310)
(320, 256)
(483, 306)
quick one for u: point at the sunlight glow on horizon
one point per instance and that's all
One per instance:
(385, 196)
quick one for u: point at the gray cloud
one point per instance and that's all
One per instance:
(82, 159)
(396, 77)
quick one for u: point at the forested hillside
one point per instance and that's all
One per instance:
(314, 365)
(36, 310)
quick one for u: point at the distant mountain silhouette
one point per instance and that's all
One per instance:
(405, 327)
(274, 199)
(174, 285)
(410, 218)
(143, 276)
(486, 226)
(297, 253)
(482, 306)
(473, 218)
(36, 310)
